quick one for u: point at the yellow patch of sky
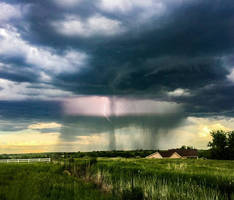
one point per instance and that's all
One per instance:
(196, 131)
(205, 125)
(205, 130)
(45, 125)
(27, 140)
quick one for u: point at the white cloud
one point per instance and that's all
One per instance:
(8, 12)
(93, 26)
(11, 90)
(144, 9)
(228, 63)
(13, 46)
(45, 77)
(179, 92)
(231, 76)
(125, 6)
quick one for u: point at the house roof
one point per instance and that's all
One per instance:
(166, 154)
(181, 152)
(153, 154)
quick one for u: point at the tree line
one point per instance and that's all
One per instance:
(222, 145)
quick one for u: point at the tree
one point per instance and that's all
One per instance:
(183, 147)
(230, 143)
(219, 144)
(186, 147)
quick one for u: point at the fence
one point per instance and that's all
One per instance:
(31, 160)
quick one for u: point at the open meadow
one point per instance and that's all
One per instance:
(42, 181)
(159, 178)
(119, 178)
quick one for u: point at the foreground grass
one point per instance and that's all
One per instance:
(44, 182)
(126, 179)
(160, 179)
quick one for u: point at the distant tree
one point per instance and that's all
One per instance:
(205, 154)
(230, 143)
(186, 147)
(219, 144)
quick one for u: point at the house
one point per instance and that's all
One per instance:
(175, 153)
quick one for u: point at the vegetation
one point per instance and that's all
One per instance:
(62, 155)
(126, 176)
(222, 145)
(119, 178)
(158, 179)
(107, 154)
(44, 182)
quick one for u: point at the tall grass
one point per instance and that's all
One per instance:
(126, 179)
(160, 179)
(44, 182)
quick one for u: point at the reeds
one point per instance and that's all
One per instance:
(160, 179)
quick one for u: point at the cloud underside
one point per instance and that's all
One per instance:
(97, 48)
(130, 133)
(173, 51)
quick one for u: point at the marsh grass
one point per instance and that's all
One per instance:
(160, 179)
(44, 182)
(138, 179)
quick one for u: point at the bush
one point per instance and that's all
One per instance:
(134, 194)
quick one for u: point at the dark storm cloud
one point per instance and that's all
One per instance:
(194, 27)
(15, 69)
(164, 53)
(181, 48)
(18, 75)
(145, 58)
(149, 77)
(19, 115)
(30, 110)
(211, 100)
(151, 125)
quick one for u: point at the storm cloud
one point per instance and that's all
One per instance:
(172, 51)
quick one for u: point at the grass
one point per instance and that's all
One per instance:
(118, 178)
(44, 182)
(161, 179)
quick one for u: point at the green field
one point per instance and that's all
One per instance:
(160, 179)
(44, 182)
(119, 178)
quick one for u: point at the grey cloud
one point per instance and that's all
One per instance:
(182, 48)
(151, 125)
(124, 58)
(185, 43)
(216, 99)
(28, 109)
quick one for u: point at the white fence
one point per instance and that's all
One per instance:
(31, 160)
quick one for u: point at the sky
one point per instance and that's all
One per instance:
(79, 75)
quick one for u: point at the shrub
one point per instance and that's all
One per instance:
(134, 194)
